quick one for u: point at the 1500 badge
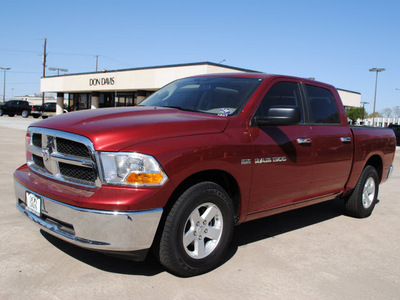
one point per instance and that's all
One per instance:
(266, 160)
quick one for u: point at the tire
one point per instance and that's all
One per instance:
(36, 116)
(25, 114)
(197, 231)
(11, 115)
(362, 201)
(1, 112)
(44, 117)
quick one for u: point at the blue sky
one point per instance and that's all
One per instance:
(334, 41)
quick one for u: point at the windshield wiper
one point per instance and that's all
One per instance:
(180, 108)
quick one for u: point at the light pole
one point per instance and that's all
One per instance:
(377, 70)
(363, 106)
(4, 89)
(58, 70)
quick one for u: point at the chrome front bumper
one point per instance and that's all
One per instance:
(109, 231)
(390, 171)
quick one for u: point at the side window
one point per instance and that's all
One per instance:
(323, 105)
(281, 94)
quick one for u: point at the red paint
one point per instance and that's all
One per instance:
(186, 143)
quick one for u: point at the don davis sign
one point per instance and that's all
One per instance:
(101, 81)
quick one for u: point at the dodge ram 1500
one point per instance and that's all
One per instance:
(202, 154)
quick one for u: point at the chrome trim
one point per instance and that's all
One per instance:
(345, 140)
(303, 141)
(123, 231)
(52, 158)
(390, 171)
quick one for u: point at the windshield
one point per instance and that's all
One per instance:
(224, 96)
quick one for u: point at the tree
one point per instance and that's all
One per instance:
(396, 111)
(375, 115)
(387, 112)
(355, 113)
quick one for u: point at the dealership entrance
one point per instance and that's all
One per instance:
(81, 101)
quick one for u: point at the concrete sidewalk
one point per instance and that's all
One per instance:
(311, 253)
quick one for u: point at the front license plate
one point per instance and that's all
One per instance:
(33, 203)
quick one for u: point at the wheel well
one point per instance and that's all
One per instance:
(376, 162)
(222, 178)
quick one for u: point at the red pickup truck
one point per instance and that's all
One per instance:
(177, 172)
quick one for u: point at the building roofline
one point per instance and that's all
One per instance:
(159, 67)
(348, 91)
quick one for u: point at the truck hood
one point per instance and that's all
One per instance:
(113, 129)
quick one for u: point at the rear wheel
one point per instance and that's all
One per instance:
(197, 231)
(363, 199)
(11, 115)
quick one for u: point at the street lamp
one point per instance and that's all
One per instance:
(4, 89)
(58, 70)
(363, 106)
(377, 70)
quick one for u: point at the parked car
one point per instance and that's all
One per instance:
(203, 154)
(16, 107)
(396, 129)
(46, 110)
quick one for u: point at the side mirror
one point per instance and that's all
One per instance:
(279, 116)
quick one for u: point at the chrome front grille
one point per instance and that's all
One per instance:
(62, 156)
(72, 148)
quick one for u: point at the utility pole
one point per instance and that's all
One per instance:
(4, 89)
(363, 107)
(97, 62)
(44, 65)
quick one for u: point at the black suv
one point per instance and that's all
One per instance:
(16, 107)
(396, 129)
(46, 110)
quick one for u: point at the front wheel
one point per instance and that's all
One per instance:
(197, 231)
(363, 199)
(25, 114)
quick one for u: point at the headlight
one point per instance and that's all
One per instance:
(125, 168)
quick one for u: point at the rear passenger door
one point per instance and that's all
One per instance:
(332, 142)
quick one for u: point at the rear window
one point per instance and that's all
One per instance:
(323, 105)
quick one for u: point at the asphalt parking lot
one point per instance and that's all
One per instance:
(311, 253)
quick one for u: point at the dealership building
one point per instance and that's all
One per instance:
(129, 87)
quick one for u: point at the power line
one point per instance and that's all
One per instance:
(117, 60)
(25, 72)
(19, 50)
(70, 53)
(22, 83)
(64, 53)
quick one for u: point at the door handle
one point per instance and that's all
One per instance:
(345, 140)
(303, 141)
